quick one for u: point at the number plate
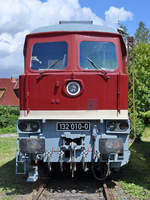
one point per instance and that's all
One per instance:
(73, 126)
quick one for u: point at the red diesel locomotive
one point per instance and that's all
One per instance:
(73, 100)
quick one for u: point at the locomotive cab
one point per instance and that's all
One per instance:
(73, 100)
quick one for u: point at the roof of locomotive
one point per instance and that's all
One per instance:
(75, 26)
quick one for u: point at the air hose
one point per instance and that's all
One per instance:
(105, 175)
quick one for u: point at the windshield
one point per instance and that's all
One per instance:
(49, 55)
(103, 54)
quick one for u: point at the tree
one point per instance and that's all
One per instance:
(142, 86)
(122, 29)
(142, 34)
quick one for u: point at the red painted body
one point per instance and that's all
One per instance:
(46, 91)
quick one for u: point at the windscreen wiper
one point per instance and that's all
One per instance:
(54, 63)
(43, 72)
(95, 66)
(105, 76)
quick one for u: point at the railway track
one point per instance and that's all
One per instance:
(61, 186)
(103, 193)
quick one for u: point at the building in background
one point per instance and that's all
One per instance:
(9, 95)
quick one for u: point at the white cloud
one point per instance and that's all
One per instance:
(19, 17)
(115, 15)
(10, 43)
(11, 54)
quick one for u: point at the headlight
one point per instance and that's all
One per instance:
(117, 125)
(23, 126)
(34, 126)
(73, 88)
(123, 126)
(28, 126)
(111, 125)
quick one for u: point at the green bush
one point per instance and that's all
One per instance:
(8, 118)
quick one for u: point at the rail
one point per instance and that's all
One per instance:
(40, 192)
(107, 192)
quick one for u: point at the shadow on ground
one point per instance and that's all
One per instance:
(136, 172)
(13, 184)
(56, 181)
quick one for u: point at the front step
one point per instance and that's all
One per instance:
(33, 175)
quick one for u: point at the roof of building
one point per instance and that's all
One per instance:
(75, 26)
(7, 94)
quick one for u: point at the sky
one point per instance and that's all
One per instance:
(20, 17)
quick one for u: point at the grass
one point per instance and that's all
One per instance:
(146, 134)
(135, 177)
(11, 185)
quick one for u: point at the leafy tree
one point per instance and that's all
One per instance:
(142, 34)
(123, 30)
(142, 86)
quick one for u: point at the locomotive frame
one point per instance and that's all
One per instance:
(63, 120)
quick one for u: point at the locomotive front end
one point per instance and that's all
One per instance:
(73, 101)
